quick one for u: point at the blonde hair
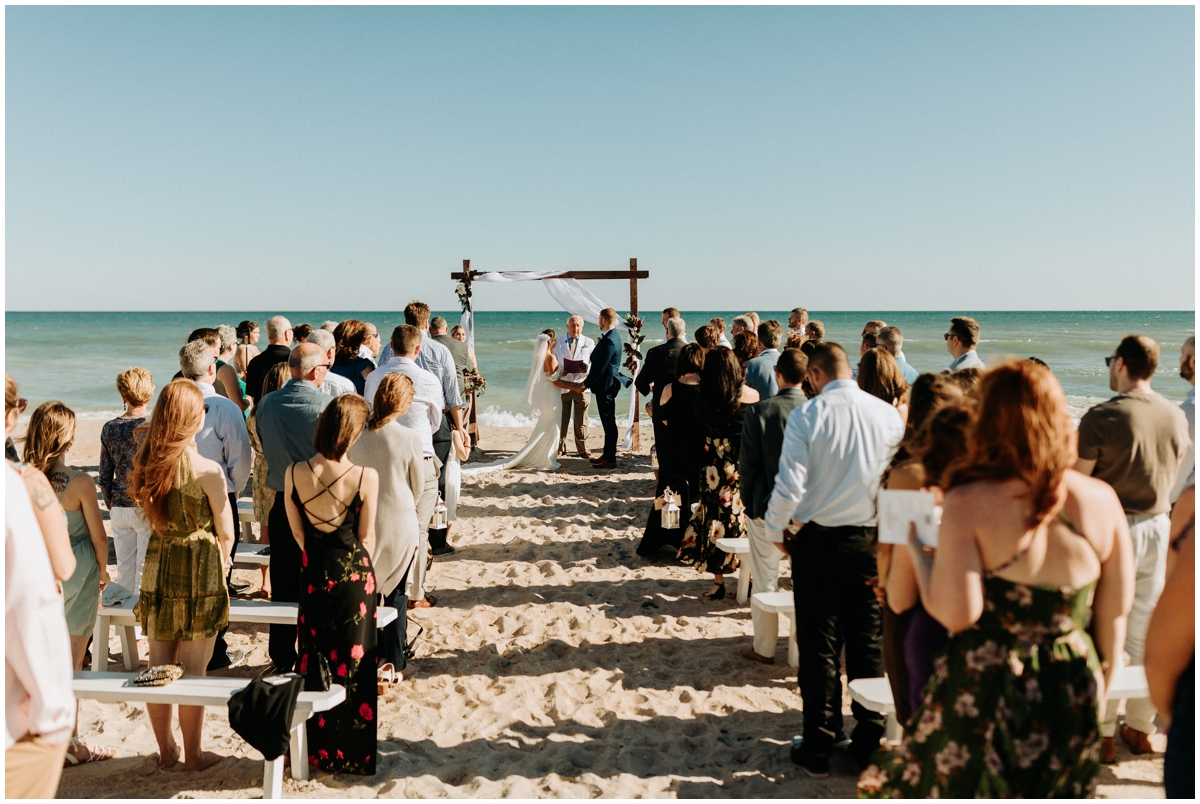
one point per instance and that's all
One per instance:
(394, 398)
(50, 434)
(135, 386)
(176, 419)
(11, 397)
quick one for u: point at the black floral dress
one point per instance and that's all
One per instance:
(1011, 709)
(337, 620)
(720, 514)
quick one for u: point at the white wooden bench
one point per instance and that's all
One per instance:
(875, 694)
(246, 519)
(741, 549)
(251, 554)
(240, 611)
(208, 691)
(781, 603)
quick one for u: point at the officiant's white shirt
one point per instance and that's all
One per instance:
(574, 349)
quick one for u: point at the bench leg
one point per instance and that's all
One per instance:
(100, 644)
(129, 647)
(793, 646)
(743, 590)
(894, 732)
(247, 532)
(299, 747)
(273, 778)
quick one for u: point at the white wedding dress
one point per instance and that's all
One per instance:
(541, 450)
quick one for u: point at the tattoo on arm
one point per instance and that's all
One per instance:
(40, 498)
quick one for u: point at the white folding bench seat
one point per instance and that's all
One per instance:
(741, 549)
(251, 554)
(212, 691)
(240, 611)
(780, 603)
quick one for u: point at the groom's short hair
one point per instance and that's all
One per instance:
(405, 339)
(608, 314)
(675, 327)
(416, 314)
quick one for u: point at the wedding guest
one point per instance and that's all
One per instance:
(834, 451)
(961, 341)
(331, 506)
(329, 326)
(424, 417)
(371, 344)
(743, 323)
(574, 352)
(1171, 660)
(301, 332)
(212, 338)
(119, 441)
(348, 362)
(680, 448)
(279, 341)
(50, 516)
(667, 315)
(745, 347)
(872, 327)
(758, 463)
(395, 453)
(1135, 442)
(439, 331)
(879, 376)
(184, 601)
(223, 440)
(39, 704)
(896, 588)
(247, 336)
(707, 337)
(48, 438)
(1023, 546)
(287, 421)
(868, 343)
(892, 340)
(754, 321)
(719, 325)
(967, 379)
(234, 385)
(760, 370)
(261, 494)
(659, 369)
(1187, 373)
(797, 320)
(722, 401)
(335, 384)
(814, 331)
(458, 333)
(795, 340)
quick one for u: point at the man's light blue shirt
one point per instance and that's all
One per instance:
(966, 360)
(835, 448)
(224, 439)
(437, 360)
(760, 373)
(910, 373)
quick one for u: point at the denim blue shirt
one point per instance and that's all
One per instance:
(287, 422)
(760, 373)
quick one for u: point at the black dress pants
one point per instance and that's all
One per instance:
(285, 584)
(220, 657)
(394, 637)
(606, 406)
(442, 444)
(830, 570)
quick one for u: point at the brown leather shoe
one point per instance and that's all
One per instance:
(1138, 741)
(1108, 750)
(748, 652)
(587, 456)
(605, 464)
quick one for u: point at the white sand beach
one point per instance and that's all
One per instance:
(556, 664)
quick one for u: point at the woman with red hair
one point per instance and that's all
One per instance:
(1026, 547)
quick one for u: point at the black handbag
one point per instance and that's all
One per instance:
(317, 676)
(261, 713)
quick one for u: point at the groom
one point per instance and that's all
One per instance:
(604, 380)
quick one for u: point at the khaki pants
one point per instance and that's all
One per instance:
(764, 570)
(577, 400)
(32, 768)
(426, 500)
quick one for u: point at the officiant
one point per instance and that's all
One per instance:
(573, 352)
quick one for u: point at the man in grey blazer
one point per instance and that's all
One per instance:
(762, 442)
(760, 371)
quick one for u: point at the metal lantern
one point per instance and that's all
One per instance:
(670, 510)
(439, 515)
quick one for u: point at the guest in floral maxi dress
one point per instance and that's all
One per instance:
(720, 514)
(1028, 552)
(331, 508)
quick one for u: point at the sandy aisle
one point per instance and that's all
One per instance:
(557, 663)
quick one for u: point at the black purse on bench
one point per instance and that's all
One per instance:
(261, 713)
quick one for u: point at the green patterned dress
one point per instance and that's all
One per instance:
(720, 514)
(1011, 709)
(183, 595)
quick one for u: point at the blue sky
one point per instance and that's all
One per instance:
(836, 158)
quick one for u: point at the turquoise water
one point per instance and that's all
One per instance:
(75, 357)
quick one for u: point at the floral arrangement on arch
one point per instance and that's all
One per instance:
(463, 291)
(633, 349)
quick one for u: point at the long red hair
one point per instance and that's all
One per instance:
(176, 419)
(1022, 429)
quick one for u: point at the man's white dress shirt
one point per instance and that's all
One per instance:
(574, 349)
(224, 438)
(336, 385)
(425, 415)
(835, 448)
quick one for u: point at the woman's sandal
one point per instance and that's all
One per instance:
(387, 678)
(94, 754)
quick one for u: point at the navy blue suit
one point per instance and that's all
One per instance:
(605, 381)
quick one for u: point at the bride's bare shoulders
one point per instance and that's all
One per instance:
(551, 364)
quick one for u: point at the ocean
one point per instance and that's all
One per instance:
(75, 356)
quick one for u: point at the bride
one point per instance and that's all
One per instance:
(543, 393)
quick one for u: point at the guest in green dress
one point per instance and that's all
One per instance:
(184, 602)
(1026, 548)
